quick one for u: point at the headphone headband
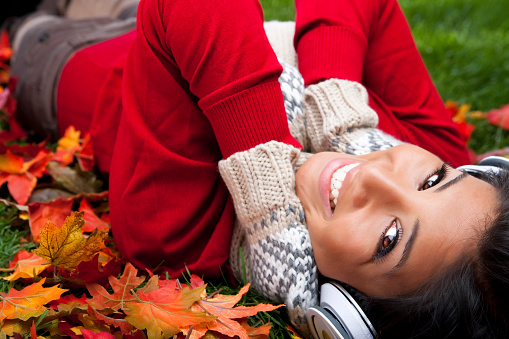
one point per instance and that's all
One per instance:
(493, 164)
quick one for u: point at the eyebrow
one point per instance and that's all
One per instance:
(408, 247)
(451, 182)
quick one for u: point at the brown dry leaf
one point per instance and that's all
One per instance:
(75, 180)
(67, 247)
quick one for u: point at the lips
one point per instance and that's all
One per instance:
(332, 178)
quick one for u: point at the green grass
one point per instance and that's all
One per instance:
(282, 10)
(465, 45)
(12, 230)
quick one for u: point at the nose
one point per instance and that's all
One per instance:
(381, 181)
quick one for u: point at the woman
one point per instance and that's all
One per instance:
(192, 94)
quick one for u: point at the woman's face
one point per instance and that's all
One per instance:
(401, 217)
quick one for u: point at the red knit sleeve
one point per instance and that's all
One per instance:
(221, 50)
(331, 38)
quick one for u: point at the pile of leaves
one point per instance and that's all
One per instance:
(128, 307)
(62, 275)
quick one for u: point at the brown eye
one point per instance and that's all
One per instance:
(390, 235)
(434, 178)
(388, 240)
(432, 181)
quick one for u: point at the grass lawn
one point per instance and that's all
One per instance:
(465, 45)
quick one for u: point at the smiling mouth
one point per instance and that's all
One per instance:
(337, 182)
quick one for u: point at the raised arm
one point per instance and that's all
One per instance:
(370, 42)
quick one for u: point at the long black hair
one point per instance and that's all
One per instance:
(469, 300)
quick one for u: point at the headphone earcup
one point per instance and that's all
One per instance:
(347, 317)
(324, 324)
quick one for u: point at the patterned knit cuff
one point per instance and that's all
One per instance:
(335, 107)
(363, 140)
(260, 180)
(271, 227)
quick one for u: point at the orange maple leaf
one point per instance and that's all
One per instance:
(163, 311)
(29, 302)
(66, 246)
(67, 145)
(459, 114)
(5, 76)
(70, 141)
(26, 265)
(223, 306)
(70, 146)
(122, 287)
(20, 175)
(293, 333)
(259, 332)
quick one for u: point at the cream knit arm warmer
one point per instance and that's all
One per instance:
(276, 244)
(339, 119)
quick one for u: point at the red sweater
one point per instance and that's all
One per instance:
(198, 83)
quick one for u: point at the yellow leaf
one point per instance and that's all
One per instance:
(11, 326)
(70, 141)
(461, 114)
(293, 333)
(67, 247)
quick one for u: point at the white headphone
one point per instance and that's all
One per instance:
(338, 316)
(492, 164)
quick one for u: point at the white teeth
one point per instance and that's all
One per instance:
(337, 182)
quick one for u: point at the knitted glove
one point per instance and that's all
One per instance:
(339, 119)
(271, 228)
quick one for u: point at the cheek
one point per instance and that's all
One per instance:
(339, 254)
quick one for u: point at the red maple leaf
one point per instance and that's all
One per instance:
(500, 117)
(21, 174)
